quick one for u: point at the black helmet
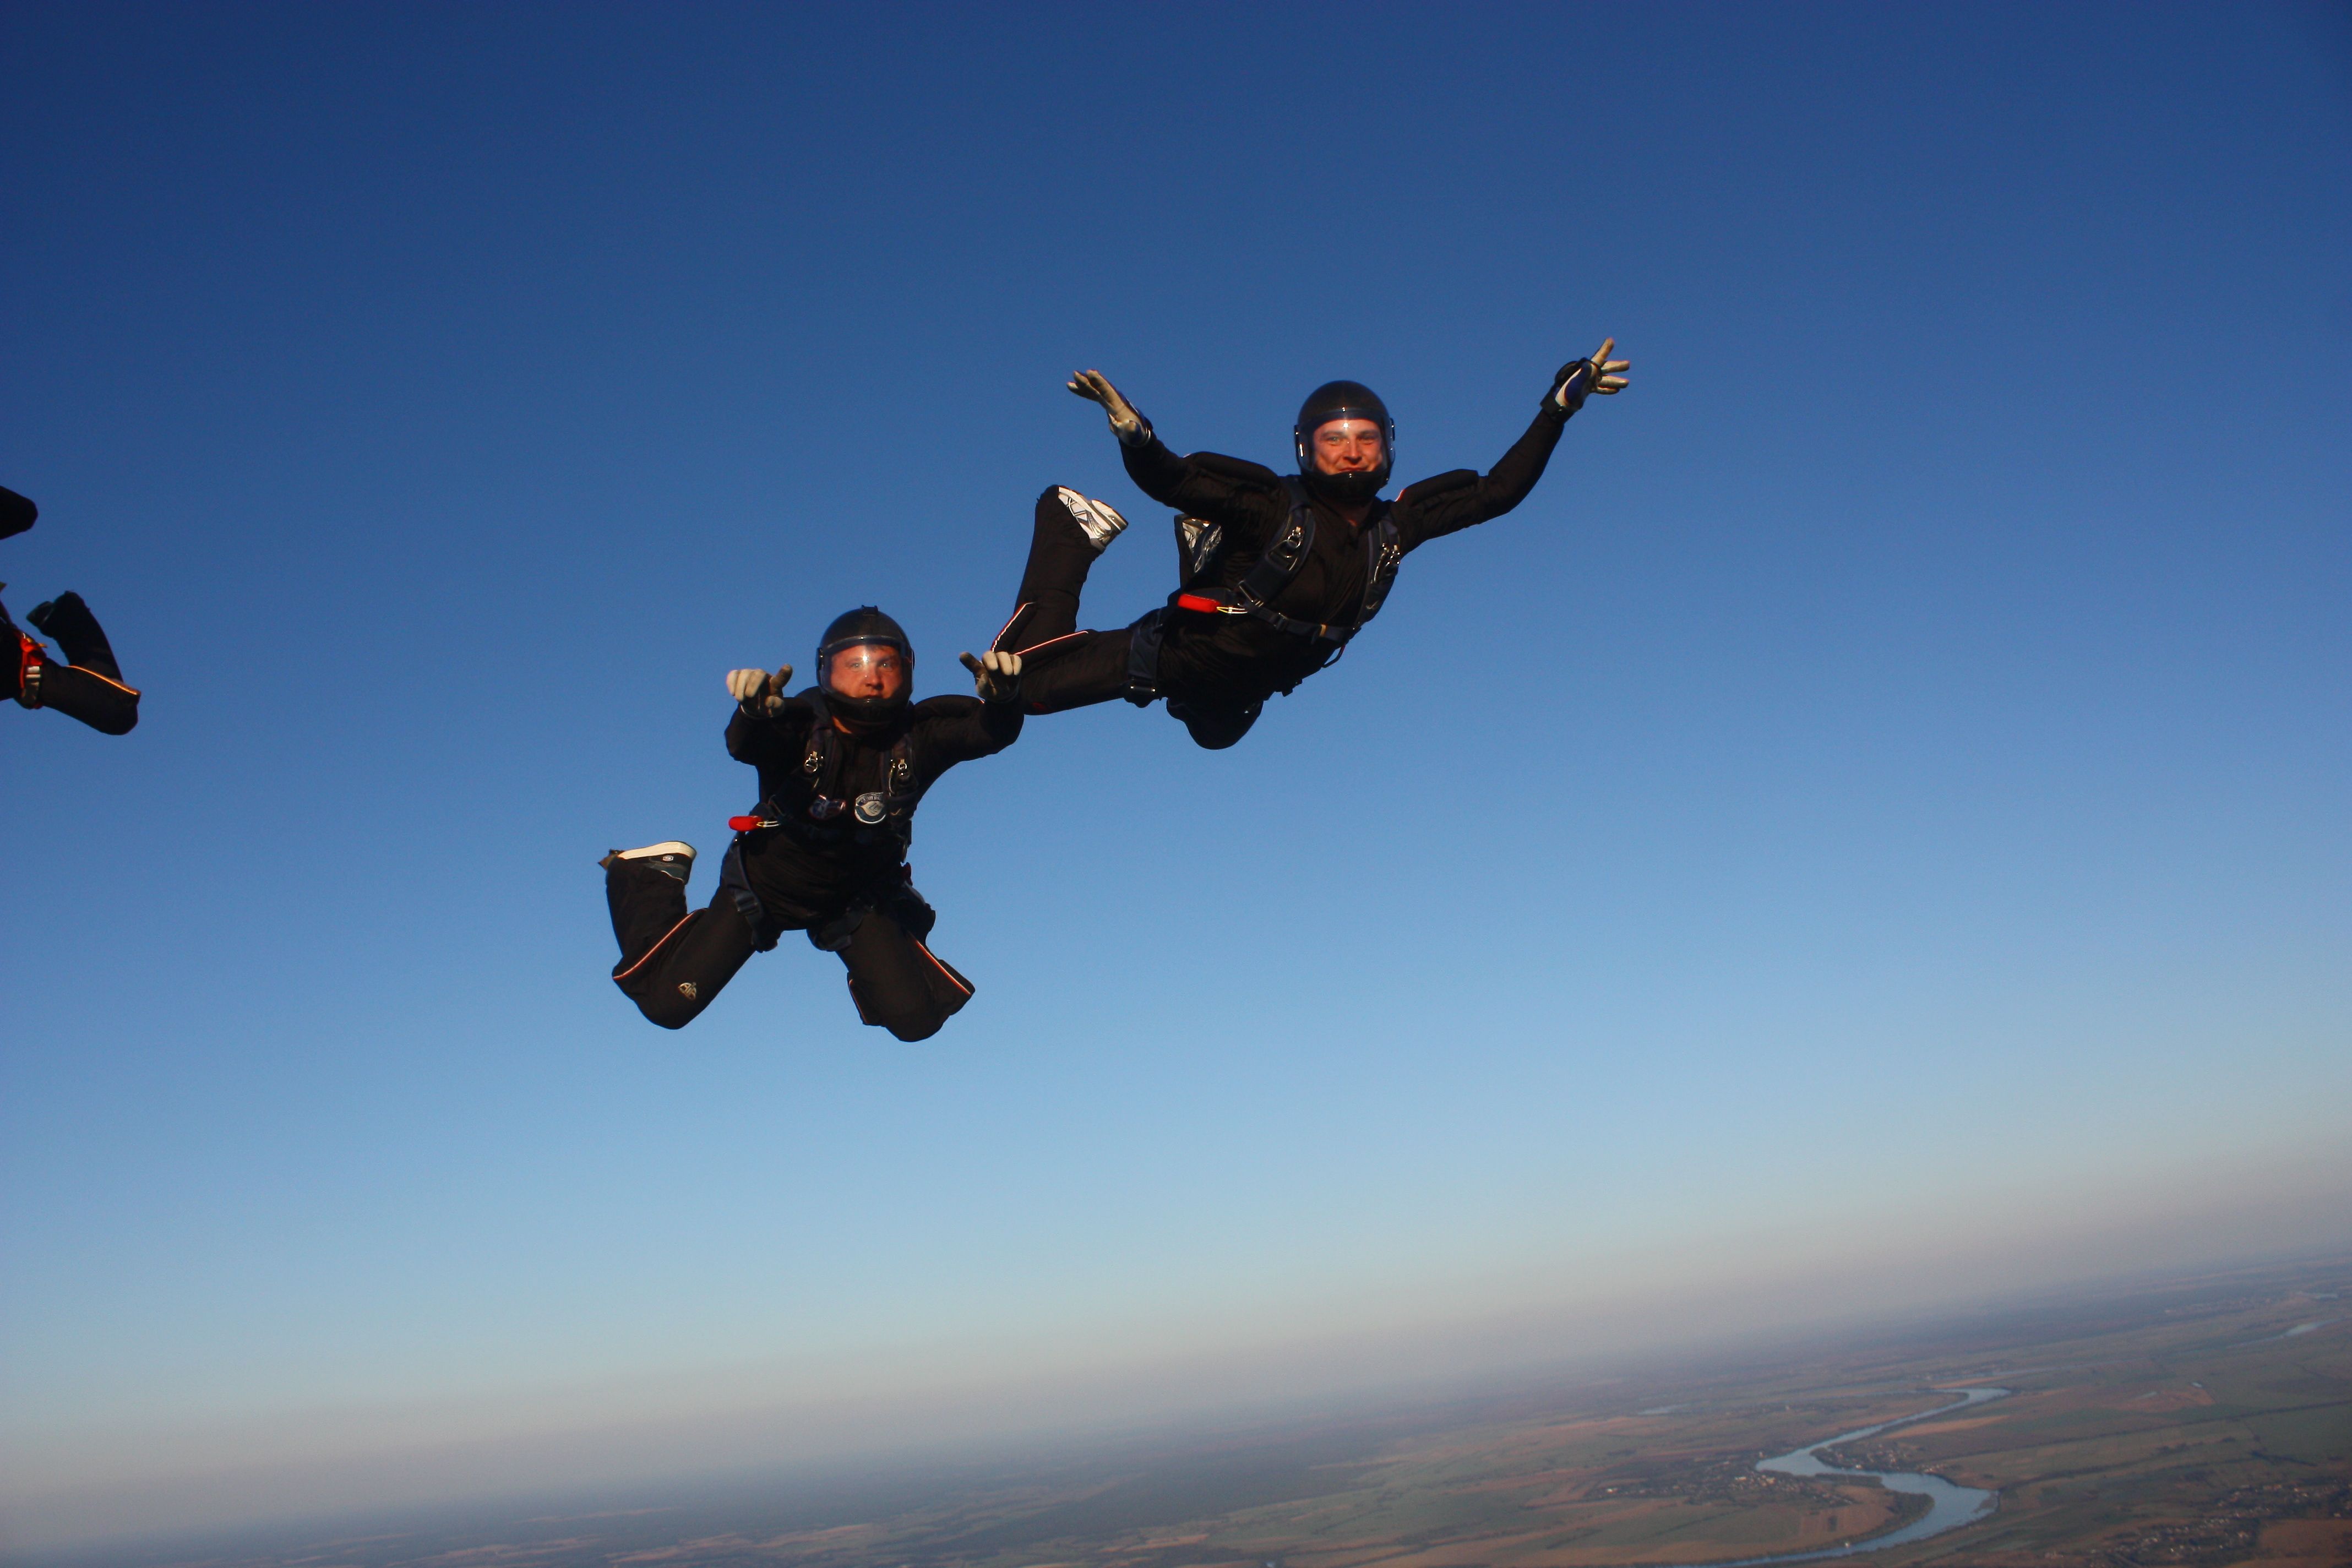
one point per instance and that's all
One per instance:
(859, 626)
(1343, 400)
(16, 513)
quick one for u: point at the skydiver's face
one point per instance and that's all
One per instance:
(869, 669)
(1348, 447)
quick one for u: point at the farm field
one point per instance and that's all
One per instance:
(2202, 1422)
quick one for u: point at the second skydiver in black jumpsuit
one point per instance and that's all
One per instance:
(88, 686)
(1277, 574)
(842, 767)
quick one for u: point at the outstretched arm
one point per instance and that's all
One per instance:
(1451, 502)
(754, 731)
(1241, 495)
(959, 728)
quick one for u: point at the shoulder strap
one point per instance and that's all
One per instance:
(1285, 553)
(821, 759)
(821, 751)
(1383, 548)
(887, 814)
(898, 776)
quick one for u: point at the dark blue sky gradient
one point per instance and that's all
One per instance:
(1931, 673)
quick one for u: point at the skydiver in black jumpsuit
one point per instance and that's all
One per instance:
(842, 767)
(1273, 572)
(88, 685)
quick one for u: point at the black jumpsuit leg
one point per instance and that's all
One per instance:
(672, 961)
(1066, 668)
(896, 982)
(1055, 576)
(91, 687)
(107, 706)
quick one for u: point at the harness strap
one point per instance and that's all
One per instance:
(734, 881)
(1143, 658)
(1253, 596)
(821, 767)
(770, 817)
(1383, 548)
(1280, 560)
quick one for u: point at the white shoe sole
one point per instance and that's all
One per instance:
(1097, 520)
(654, 851)
(670, 857)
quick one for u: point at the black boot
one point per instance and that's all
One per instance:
(17, 512)
(77, 634)
(646, 889)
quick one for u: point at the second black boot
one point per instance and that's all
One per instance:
(77, 634)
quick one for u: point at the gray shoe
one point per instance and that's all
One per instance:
(670, 857)
(1095, 519)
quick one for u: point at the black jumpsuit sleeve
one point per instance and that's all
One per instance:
(1244, 496)
(760, 740)
(954, 730)
(1448, 503)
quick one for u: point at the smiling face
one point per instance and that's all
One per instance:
(867, 669)
(1346, 447)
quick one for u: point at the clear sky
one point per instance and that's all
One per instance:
(1880, 804)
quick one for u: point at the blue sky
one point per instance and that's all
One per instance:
(1893, 769)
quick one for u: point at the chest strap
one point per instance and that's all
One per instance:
(893, 803)
(1272, 572)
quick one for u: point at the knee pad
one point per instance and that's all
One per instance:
(936, 992)
(670, 1012)
(910, 1019)
(673, 1005)
(1214, 729)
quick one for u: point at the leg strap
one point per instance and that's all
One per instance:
(736, 884)
(1143, 660)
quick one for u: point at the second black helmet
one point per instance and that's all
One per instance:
(1343, 400)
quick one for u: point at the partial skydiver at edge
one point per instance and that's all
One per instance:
(88, 685)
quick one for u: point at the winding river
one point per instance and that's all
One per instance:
(1949, 1506)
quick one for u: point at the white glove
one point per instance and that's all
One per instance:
(1580, 377)
(745, 684)
(1132, 427)
(996, 677)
